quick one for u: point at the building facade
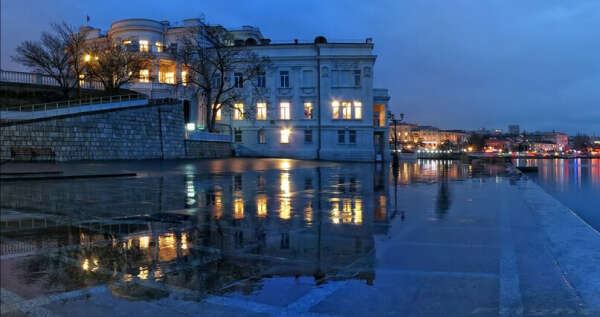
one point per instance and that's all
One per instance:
(318, 100)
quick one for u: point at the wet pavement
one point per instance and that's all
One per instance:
(263, 237)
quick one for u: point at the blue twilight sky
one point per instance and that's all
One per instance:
(453, 64)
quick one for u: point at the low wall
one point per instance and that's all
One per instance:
(144, 132)
(207, 149)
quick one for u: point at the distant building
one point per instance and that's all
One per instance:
(427, 136)
(513, 129)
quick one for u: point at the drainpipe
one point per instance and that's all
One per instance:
(318, 50)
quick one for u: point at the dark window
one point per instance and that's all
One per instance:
(261, 80)
(261, 137)
(237, 182)
(341, 136)
(238, 136)
(186, 111)
(352, 136)
(285, 79)
(357, 78)
(238, 80)
(307, 136)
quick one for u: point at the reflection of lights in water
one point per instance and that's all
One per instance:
(380, 209)
(238, 208)
(158, 273)
(335, 211)
(143, 273)
(285, 211)
(357, 211)
(346, 211)
(184, 245)
(144, 242)
(167, 247)
(85, 265)
(218, 211)
(261, 206)
(127, 277)
(308, 212)
(285, 165)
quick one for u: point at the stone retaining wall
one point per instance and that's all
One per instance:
(133, 133)
(207, 149)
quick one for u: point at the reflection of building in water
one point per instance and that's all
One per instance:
(428, 171)
(303, 222)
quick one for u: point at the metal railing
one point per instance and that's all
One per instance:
(40, 79)
(74, 103)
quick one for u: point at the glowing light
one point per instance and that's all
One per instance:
(85, 265)
(357, 211)
(261, 111)
(238, 208)
(144, 242)
(190, 126)
(184, 77)
(285, 135)
(308, 212)
(357, 110)
(143, 45)
(285, 209)
(335, 109)
(261, 206)
(143, 274)
(238, 111)
(284, 110)
(184, 245)
(144, 76)
(87, 57)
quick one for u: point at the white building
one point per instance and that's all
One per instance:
(319, 101)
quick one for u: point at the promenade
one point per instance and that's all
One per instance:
(187, 238)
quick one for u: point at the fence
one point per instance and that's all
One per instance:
(74, 103)
(40, 79)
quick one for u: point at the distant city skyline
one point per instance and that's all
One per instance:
(450, 64)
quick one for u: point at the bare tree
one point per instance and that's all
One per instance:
(48, 56)
(74, 43)
(113, 64)
(222, 73)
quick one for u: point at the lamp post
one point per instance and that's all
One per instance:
(395, 121)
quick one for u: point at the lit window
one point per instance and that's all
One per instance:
(170, 78)
(126, 42)
(238, 208)
(352, 136)
(357, 78)
(285, 136)
(81, 80)
(143, 46)
(357, 110)
(284, 77)
(144, 75)
(218, 114)
(335, 107)
(238, 80)
(261, 206)
(261, 80)
(184, 77)
(159, 47)
(308, 110)
(307, 136)
(284, 111)
(238, 111)
(341, 136)
(262, 139)
(261, 111)
(346, 110)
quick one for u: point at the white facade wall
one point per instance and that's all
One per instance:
(316, 75)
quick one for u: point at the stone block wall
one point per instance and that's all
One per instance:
(207, 149)
(133, 133)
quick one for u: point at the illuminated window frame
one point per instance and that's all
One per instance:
(261, 111)
(144, 45)
(144, 75)
(335, 109)
(346, 110)
(284, 110)
(308, 110)
(285, 136)
(358, 110)
(238, 111)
